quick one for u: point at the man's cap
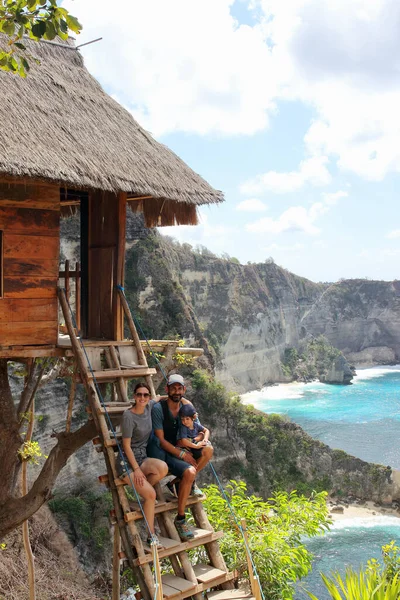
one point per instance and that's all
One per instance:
(175, 379)
(187, 410)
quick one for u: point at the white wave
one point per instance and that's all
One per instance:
(282, 391)
(365, 522)
(370, 373)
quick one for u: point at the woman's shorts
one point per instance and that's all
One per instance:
(123, 466)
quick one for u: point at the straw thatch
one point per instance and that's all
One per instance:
(59, 125)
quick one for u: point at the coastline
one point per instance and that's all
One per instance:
(360, 511)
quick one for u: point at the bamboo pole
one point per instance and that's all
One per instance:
(25, 525)
(254, 583)
(116, 582)
(157, 572)
(67, 282)
(78, 296)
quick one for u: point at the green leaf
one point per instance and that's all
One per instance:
(8, 27)
(51, 31)
(25, 63)
(20, 46)
(39, 29)
(12, 63)
(21, 71)
(73, 23)
(31, 4)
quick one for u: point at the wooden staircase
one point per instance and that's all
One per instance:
(116, 364)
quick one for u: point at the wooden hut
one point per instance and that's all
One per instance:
(66, 145)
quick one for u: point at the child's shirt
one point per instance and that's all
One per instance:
(184, 433)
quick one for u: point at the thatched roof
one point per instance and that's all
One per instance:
(58, 124)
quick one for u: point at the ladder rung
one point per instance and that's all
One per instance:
(136, 514)
(201, 537)
(111, 374)
(104, 479)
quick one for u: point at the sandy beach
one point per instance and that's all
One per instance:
(355, 511)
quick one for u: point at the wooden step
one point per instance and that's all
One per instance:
(176, 586)
(114, 409)
(230, 595)
(112, 374)
(199, 588)
(136, 513)
(201, 537)
(206, 573)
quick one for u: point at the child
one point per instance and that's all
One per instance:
(192, 435)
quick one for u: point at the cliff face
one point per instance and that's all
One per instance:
(246, 315)
(361, 318)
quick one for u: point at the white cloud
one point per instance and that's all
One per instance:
(251, 205)
(311, 171)
(332, 198)
(189, 66)
(207, 233)
(393, 234)
(181, 66)
(297, 218)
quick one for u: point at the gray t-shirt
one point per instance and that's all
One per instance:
(138, 428)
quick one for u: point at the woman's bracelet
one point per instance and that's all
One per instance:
(182, 453)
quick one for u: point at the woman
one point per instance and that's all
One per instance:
(136, 468)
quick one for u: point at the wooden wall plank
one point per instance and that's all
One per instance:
(30, 246)
(30, 287)
(29, 221)
(31, 267)
(28, 309)
(41, 332)
(28, 190)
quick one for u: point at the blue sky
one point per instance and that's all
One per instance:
(290, 107)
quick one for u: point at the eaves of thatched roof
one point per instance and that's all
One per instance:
(59, 125)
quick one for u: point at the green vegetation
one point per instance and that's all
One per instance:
(313, 363)
(39, 19)
(379, 581)
(275, 528)
(84, 517)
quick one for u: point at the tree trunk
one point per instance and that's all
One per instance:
(10, 439)
(13, 511)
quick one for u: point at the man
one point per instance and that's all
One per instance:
(166, 422)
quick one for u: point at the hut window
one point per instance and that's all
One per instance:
(1, 264)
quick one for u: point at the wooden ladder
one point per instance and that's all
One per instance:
(114, 363)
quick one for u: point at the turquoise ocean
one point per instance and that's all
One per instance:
(364, 420)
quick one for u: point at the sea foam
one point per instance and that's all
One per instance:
(365, 522)
(370, 373)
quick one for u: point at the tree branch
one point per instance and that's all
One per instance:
(16, 510)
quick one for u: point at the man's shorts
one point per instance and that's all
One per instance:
(176, 466)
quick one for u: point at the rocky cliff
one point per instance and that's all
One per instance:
(245, 316)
